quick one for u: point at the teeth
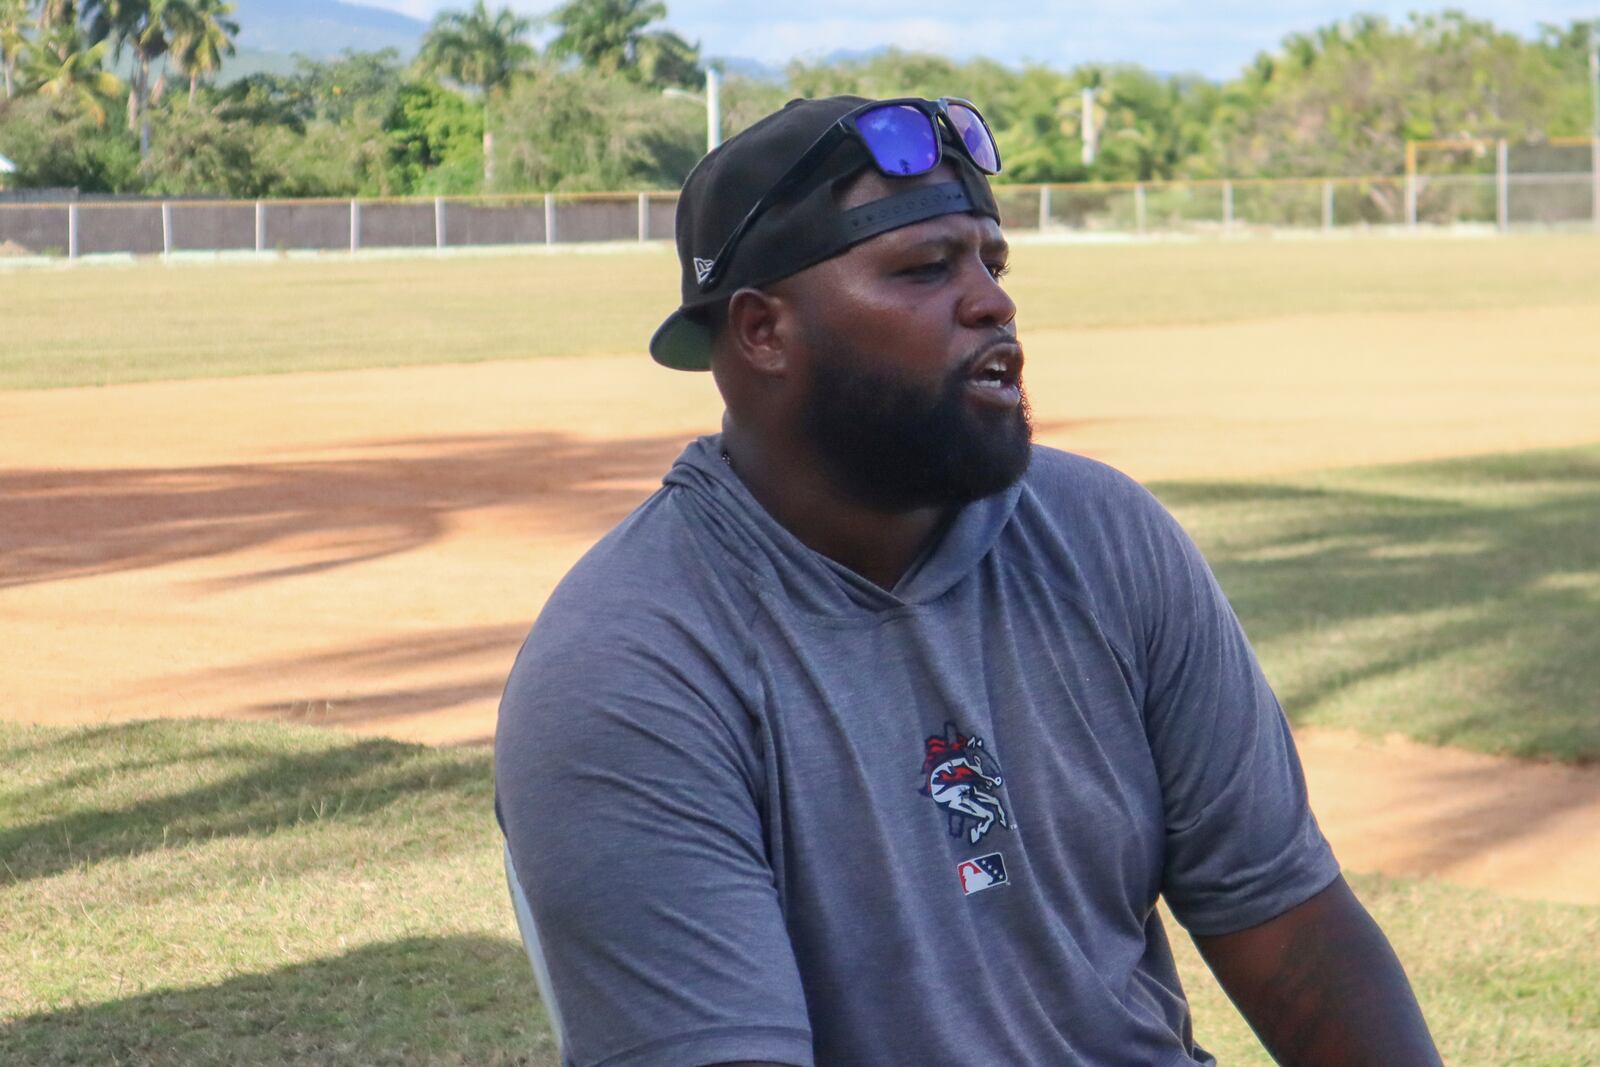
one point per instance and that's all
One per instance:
(994, 373)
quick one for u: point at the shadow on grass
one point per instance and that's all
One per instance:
(195, 780)
(1454, 601)
(421, 1000)
(336, 512)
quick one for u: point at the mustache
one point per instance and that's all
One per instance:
(1006, 335)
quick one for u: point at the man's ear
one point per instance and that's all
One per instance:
(760, 329)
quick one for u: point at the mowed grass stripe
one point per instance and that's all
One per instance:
(98, 326)
(214, 893)
(1453, 601)
(193, 893)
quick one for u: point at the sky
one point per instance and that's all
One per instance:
(1216, 38)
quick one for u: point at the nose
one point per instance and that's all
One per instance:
(986, 306)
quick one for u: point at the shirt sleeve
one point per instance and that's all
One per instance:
(630, 809)
(1242, 845)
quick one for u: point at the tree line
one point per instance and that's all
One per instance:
(481, 108)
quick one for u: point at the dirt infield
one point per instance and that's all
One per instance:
(367, 548)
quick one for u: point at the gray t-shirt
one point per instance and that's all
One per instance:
(764, 809)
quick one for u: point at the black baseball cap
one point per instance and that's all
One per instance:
(804, 228)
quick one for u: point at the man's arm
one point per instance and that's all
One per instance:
(1322, 988)
(630, 806)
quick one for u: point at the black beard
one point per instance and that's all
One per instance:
(892, 446)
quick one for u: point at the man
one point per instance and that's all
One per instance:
(874, 735)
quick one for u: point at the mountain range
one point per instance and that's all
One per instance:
(272, 32)
(323, 28)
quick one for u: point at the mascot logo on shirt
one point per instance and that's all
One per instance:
(961, 774)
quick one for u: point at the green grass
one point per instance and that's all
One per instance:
(209, 893)
(1453, 601)
(193, 893)
(144, 322)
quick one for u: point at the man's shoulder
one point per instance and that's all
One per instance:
(656, 539)
(1065, 480)
(647, 586)
(643, 634)
(1095, 528)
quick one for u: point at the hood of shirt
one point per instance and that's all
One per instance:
(716, 500)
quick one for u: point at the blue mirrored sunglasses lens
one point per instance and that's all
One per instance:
(901, 139)
(976, 136)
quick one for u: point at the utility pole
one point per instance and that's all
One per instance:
(713, 102)
(1091, 129)
(713, 108)
(1594, 133)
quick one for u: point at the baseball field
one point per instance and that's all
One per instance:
(271, 532)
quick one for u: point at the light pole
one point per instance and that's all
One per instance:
(713, 101)
(1594, 104)
(713, 108)
(1091, 129)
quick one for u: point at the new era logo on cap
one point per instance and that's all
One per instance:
(983, 872)
(702, 267)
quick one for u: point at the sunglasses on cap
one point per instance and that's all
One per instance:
(901, 138)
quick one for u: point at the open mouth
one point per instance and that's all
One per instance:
(1000, 368)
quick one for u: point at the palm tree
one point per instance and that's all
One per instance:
(13, 16)
(663, 58)
(480, 50)
(613, 37)
(143, 27)
(202, 34)
(65, 68)
(53, 13)
(603, 34)
(55, 16)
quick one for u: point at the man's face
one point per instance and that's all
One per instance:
(915, 396)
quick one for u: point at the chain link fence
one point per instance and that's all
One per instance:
(1506, 184)
(164, 227)
(1550, 199)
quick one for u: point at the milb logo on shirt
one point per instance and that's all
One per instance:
(963, 777)
(982, 872)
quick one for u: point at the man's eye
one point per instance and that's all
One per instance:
(999, 270)
(925, 270)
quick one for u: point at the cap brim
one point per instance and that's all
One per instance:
(682, 343)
